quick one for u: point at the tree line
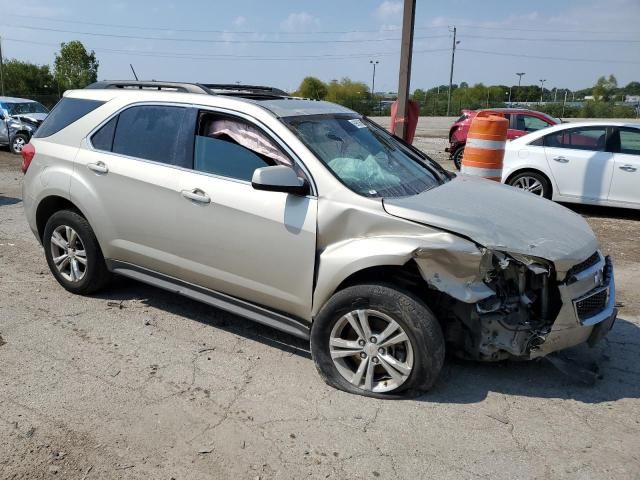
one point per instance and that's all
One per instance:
(73, 67)
(433, 101)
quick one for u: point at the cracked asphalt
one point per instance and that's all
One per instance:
(138, 383)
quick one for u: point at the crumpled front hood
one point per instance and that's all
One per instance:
(501, 218)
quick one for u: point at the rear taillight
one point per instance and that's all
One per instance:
(28, 151)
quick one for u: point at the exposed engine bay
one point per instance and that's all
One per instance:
(515, 319)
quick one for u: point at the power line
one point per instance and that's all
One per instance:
(198, 56)
(541, 57)
(205, 40)
(580, 40)
(323, 32)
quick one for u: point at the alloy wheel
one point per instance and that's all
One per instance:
(68, 253)
(371, 350)
(18, 144)
(529, 184)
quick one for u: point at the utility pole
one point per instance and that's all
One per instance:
(520, 74)
(453, 59)
(555, 95)
(373, 80)
(542, 80)
(1, 70)
(510, 88)
(566, 92)
(406, 51)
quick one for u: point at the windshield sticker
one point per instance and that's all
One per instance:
(356, 122)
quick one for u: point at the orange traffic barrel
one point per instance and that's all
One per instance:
(484, 149)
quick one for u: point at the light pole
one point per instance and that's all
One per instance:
(510, 88)
(542, 80)
(555, 94)
(373, 80)
(520, 74)
(453, 58)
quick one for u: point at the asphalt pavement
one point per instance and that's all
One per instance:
(138, 383)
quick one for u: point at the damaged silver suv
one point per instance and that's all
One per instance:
(305, 216)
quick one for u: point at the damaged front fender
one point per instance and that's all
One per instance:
(447, 263)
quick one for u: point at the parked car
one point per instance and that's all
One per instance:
(307, 217)
(588, 162)
(19, 119)
(521, 122)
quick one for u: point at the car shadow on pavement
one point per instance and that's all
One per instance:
(124, 289)
(4, 201)
(615, 360)
(604, 212)
(464, 382)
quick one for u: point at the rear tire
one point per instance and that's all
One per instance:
(73, 254)
(404, 362)
(532, 182)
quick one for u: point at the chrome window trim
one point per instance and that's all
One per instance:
(222, 110)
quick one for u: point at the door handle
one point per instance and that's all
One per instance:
(196, 195)
(561, 159)
(628, 168)
(98, 167)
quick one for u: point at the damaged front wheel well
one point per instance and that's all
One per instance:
(406, 277)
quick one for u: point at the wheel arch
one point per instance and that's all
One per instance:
(50, 205)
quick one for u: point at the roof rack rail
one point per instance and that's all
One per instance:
(239, 89)
(151, 85)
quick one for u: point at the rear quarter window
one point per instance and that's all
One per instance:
(66, 111)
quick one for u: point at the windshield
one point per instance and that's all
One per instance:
(364, 157)
(25, 107)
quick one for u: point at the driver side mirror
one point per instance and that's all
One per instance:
(279, 178)
(4, 115)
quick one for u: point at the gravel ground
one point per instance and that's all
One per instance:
(137, 383)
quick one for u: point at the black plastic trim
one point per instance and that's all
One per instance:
(294, 326)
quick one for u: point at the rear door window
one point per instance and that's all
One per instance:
(152, 132)
(531, 123)
(66, 111)
(629, 141)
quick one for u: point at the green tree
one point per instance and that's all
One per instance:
(312, 87)
(347, 92)
(24, 79)
(74, 66)
(605, 88)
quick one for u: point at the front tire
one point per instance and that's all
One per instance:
(532, 182)
(18, 142)
(73, 254)
(377, 341)
(457, 158)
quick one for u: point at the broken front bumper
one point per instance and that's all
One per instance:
(588, 309)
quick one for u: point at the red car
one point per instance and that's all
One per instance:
(521, 122)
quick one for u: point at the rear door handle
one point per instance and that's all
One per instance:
(196, 195)
(628, 168)
(561, 159)
(98, 167)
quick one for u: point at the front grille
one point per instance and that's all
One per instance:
(589, 262)
(592, 305)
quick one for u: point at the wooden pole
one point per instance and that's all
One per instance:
(406, 51)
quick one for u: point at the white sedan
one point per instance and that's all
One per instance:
(588, 162)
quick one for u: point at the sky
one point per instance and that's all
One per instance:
(569, 43)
